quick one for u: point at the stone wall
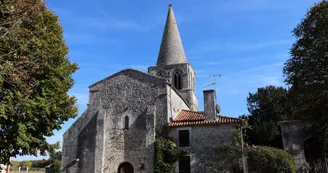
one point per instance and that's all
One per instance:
(174, 103)
(79, 143)
(141, 98)
(202, 141)
(188, 80)
(99, 138)
(293, 140)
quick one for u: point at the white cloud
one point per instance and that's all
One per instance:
(101, 20)
(259, 76)
(111, 23)
(244, 81)
(250, 79)
(141, 67)
(89, 39)
(213, 47)
(244, 6)
(252, 5)
(104, 21)
(212, 63)
(261, 68)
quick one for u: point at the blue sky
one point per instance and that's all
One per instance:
(247, 41)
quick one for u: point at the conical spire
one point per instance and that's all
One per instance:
(171, 50)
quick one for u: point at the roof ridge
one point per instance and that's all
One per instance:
(188, 120)
(226, 117)
(122, 71)
(192, 111)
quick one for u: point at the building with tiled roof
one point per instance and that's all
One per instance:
(117, 132)
(192, 118)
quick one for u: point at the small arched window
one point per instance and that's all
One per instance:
(126, 123)
(177, 80)
(161, 74)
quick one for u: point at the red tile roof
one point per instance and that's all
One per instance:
(186, 115)
(186, 118)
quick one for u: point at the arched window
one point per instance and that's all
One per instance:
(161, 74)
(177, 80)
(126, 123)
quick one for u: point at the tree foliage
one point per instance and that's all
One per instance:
(35, 163)
(40, 163)
(267, 107)
(55, 160)
(15, 164)
(307, 71)
(166, 155)
(228, 156)
(55, 166)
(27, 163)
(35, 76)
(270, 160)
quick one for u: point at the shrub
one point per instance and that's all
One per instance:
(228, 156)
(270, 160)
(55, 167)
(166, 155)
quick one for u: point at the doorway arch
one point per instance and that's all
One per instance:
(125, 167)
(311, 149)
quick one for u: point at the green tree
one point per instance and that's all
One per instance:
(40, 163)
(55, 167)
(27, 163)
(267, 107)
(306, 71)
(14, 164)
(55, 160)
(35, 76)
(56, 155)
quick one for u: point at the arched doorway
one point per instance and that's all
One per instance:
(311, 150)
(125, 167)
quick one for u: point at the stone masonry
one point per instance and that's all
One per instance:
(202, 140)
(116, 133)
(171, 58)
(171, 50)
(98, 138)
(188, 80)
(293, 138)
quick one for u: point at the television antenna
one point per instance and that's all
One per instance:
(214, 82)
(217, 106)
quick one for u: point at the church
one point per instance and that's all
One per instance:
(116, 133)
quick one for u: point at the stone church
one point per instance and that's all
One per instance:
(116, 133)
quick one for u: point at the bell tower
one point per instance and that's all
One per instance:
(172, 63)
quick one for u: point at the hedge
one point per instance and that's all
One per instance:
(270, 160)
